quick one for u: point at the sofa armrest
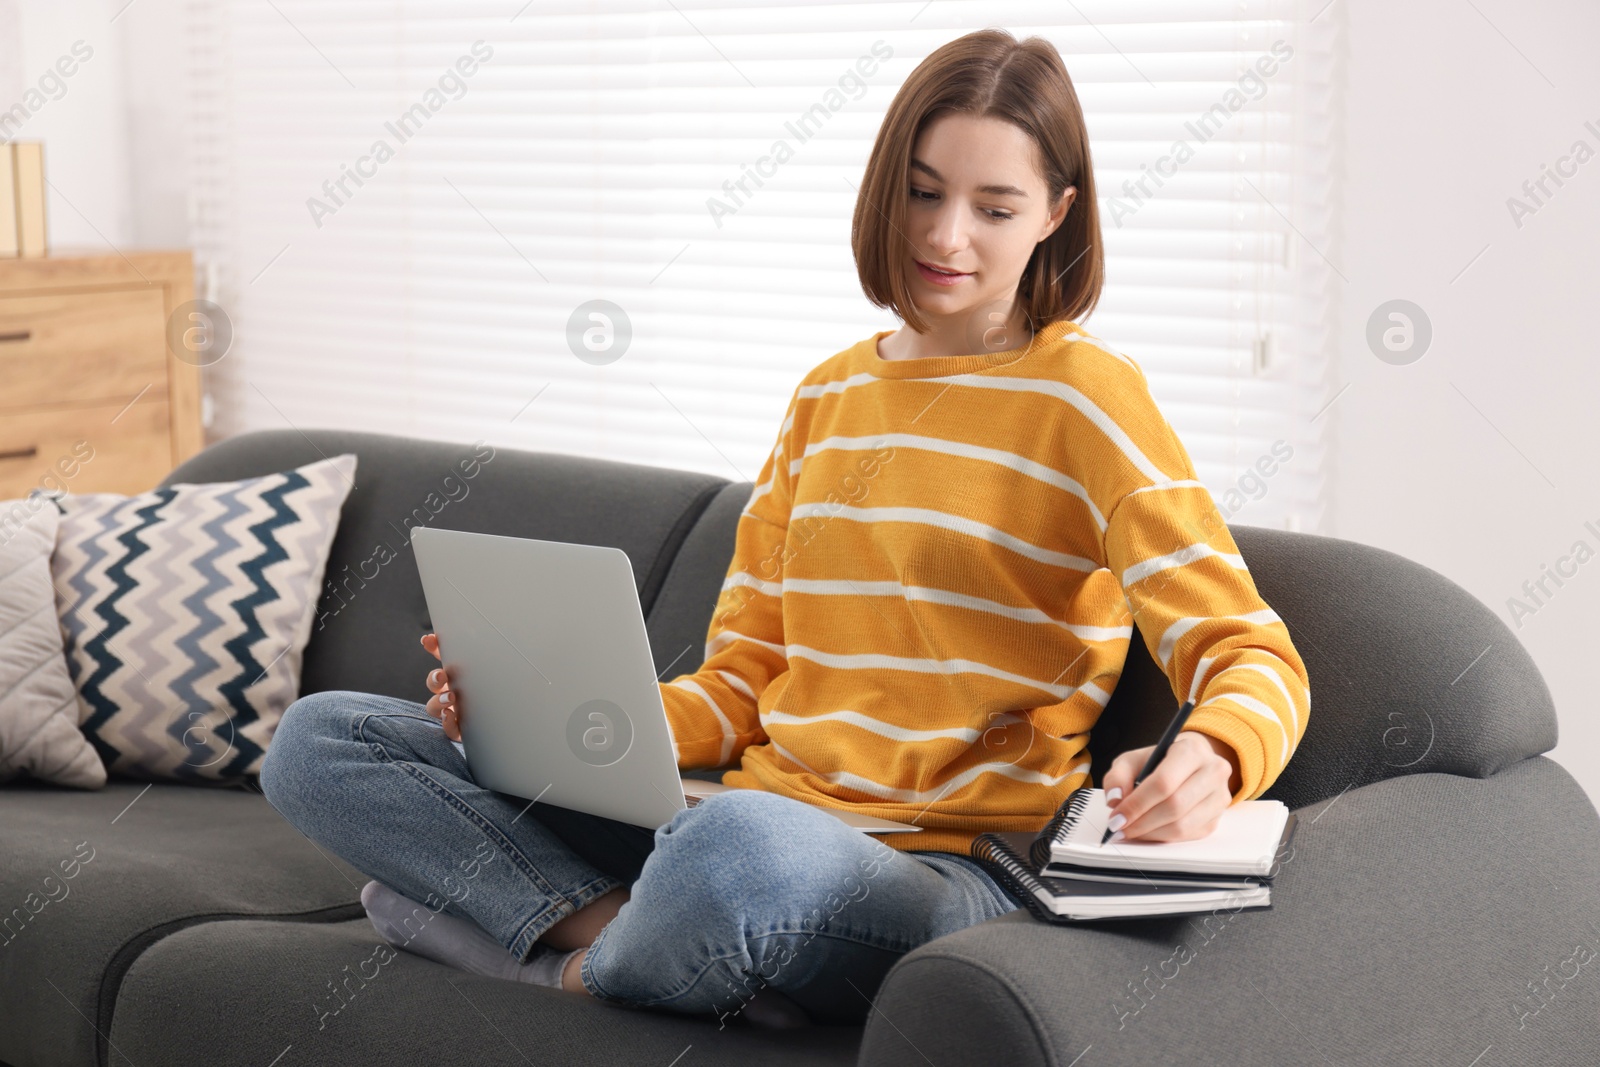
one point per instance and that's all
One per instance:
(1422, 919)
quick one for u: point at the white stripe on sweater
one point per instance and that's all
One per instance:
(863, 661)
(1088, 408)
(847, 587)
(776, 456)
(725, 753)
(1251, 704)
(811, 392)
(1277, 680)
(930, 517)
(1045, 386)
(745, 578)
(1101, 345)
(918, 796)
(733, 681)
(1186, 483)
(728, 637)
(1184, 556)
(885, 729)
(999, 457)
(1175, 632)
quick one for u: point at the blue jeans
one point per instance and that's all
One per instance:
(746, 889)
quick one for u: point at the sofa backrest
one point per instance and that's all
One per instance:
(1409, 672)
(372, 613)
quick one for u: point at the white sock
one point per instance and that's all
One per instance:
(456, 942)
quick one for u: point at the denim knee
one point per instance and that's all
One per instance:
(727, 854)
(724, 878)
(300, 743)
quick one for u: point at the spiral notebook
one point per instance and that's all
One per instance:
(1111, 882)
(1246, 842)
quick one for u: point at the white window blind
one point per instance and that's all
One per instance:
(577, 162)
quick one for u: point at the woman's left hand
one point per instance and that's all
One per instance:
(1181, 799)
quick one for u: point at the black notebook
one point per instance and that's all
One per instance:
(1232, 867)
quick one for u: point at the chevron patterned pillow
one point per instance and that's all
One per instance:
(185, 612)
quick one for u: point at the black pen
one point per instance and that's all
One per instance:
(1160, 751)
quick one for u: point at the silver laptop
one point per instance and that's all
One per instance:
(547, 652)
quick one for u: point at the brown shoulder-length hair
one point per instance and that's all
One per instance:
(988, 73)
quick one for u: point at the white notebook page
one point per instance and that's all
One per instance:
(1244, 842)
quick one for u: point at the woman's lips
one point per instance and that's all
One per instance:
(937, 278)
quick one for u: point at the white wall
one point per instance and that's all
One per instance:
(1478, 459)
(83, 120)
(156, 113)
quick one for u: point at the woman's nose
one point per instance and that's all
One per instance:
(947, 234)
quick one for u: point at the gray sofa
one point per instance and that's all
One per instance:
(1439, 906)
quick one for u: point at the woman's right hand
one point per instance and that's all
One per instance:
(442, 705)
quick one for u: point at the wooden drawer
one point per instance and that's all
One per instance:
(85, 346)
(83, 450)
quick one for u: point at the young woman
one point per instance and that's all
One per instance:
(927, 609)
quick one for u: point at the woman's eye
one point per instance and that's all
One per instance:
(925, 196)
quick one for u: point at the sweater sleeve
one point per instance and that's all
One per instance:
(713, 713)
(1209, 630)
(1194, 601)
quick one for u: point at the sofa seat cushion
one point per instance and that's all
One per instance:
(336, 993)
(146, 860)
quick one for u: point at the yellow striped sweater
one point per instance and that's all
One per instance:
(928, 604)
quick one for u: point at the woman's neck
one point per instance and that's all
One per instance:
(953, 340)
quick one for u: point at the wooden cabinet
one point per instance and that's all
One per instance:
(92, 396)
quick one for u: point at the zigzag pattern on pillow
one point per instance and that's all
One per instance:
(185, 611)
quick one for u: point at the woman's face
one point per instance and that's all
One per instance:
(977, 207)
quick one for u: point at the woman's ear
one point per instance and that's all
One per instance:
(1060, 213)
